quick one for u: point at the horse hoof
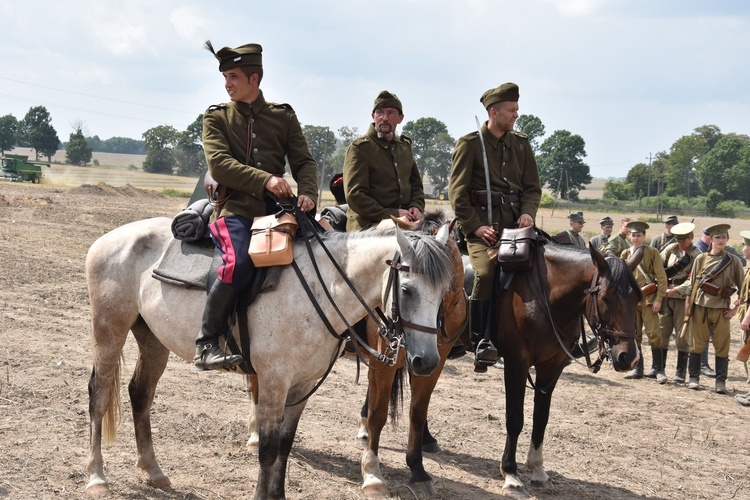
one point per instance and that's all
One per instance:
(375, 491)
(97, 489)
(425, 486)
(514, 492)
(431, 448)
(360, 442)
(159, 482)
(252, 445)
(535, 483)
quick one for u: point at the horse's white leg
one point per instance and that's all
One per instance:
(361, 440)
(373, 485)
(535, 463)
(513, 487)
(378, 396)
(252, 417)
(152, 360)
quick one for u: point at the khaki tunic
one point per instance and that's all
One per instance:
(646, 318)
(672, 314)
(380, 176)
(513, 170)
(577, 239)
(744, 296)
(617, 244)
(600, 242)
(707, 319)
(662, 241)
(277, 138)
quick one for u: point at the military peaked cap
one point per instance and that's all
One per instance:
(746, 237)
(637, 226)
(606, 221)
(505, 92)
(683, 230)
(576, 217)
(386, 99)
(717, 229)
(244, 55)
(671, 220)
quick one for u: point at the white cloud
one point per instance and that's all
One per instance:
(187, 21)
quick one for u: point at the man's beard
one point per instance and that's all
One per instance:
(386, 135)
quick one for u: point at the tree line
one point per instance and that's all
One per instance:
(706, 170)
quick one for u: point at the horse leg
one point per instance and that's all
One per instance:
(361, 440)
(152, 360)
(270, 412)
(516, 371)
(104, 394)
(380, 384)
(288, 430)
(546, 380)
(252, 418)
(429, 443)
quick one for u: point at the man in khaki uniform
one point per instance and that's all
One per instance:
(247, 143)
(381, 177)
(743, 308)
(619, 243)
(600, 240)
(661, 241)
(576, 222)
(515, 193)
(649, 272)
(714, 278)
(677, 259)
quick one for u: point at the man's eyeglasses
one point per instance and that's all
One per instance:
(390, 113)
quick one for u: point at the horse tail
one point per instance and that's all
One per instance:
(397, 395)
(113, 413)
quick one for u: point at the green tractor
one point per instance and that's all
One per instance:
(19, 168)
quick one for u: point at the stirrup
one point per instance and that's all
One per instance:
(485, 355)
(212, 357)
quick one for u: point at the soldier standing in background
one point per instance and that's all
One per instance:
(600, 240)
(666, 238)
(743, 308)
(619, 243)
(653, 282)
(576, 226)
(677, 259)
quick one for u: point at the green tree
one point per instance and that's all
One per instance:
(78, 152)
(639, 178)
(8, 127)
(726, 168)
(432, 147)
(685, 153)
(422, 132)
(188, 154)
(159, 142)
(561, 166)
(322, 143)
(533, 127)
(618, 190)
(35, 131)
(346, 136)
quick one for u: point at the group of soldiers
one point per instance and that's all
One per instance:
(691, 290)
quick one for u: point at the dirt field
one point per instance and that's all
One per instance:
(607, 438)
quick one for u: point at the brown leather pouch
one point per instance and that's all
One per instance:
(710, 288)
(516, 249)
(272, 240)
(649, 289)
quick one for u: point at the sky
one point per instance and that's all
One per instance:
(629, 76)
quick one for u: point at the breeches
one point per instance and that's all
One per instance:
(484, 269)
(231, 234)
(648, 320)
(707, 321)
(671, 319)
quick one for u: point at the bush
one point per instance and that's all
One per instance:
(132, 167)
(96, 163)
(547, 201)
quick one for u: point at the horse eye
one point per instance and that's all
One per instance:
(405, 290)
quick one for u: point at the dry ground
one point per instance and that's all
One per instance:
(607, 438)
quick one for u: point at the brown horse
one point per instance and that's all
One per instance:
(537, 321)
(385, 383)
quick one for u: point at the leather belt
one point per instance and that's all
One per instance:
(479, 197)
(677, 282)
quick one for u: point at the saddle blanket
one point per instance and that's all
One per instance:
(185, 264)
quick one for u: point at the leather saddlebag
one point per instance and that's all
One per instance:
(272, 240)
(516, 249)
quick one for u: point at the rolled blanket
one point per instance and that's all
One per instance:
(191, 224)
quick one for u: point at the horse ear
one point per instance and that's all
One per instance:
(402, 222)
(444, 233)
(636, 258)
(599, 260)
(407, 251)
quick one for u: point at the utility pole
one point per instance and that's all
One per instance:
(648, 189)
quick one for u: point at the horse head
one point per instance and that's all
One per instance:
(611, 311)
(419, 281)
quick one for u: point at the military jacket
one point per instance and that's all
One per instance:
(513, 171)
(744, 296)
(380, 176)
(577, 239)
(617, 244)
(651, 264)
(732, 275)
(600, 241)
(670, 255)
(276, 138)
(660, 242)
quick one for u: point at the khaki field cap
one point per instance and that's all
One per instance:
(671, 220)
(505, 92)
(606, 221)
(637, 226)
(576, 217)
(386, 99)
(745, 237)
(244, 55)
(718, 230)
(683, 230)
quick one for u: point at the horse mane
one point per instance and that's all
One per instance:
(620, 274)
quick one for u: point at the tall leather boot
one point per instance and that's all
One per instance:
(654, 364)
(681, 369)
(485, 354)
(637, 372)
(706, 369)
(722, 367)
(694, 371)
(661, 354)
(219, 306)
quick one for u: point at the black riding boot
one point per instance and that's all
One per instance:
(681, 369)
(636, 372)
(219, 306)
(654, 364)
(694, 370)
(660, 361)
(722, 367)
(485, 354)
(706, 369)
